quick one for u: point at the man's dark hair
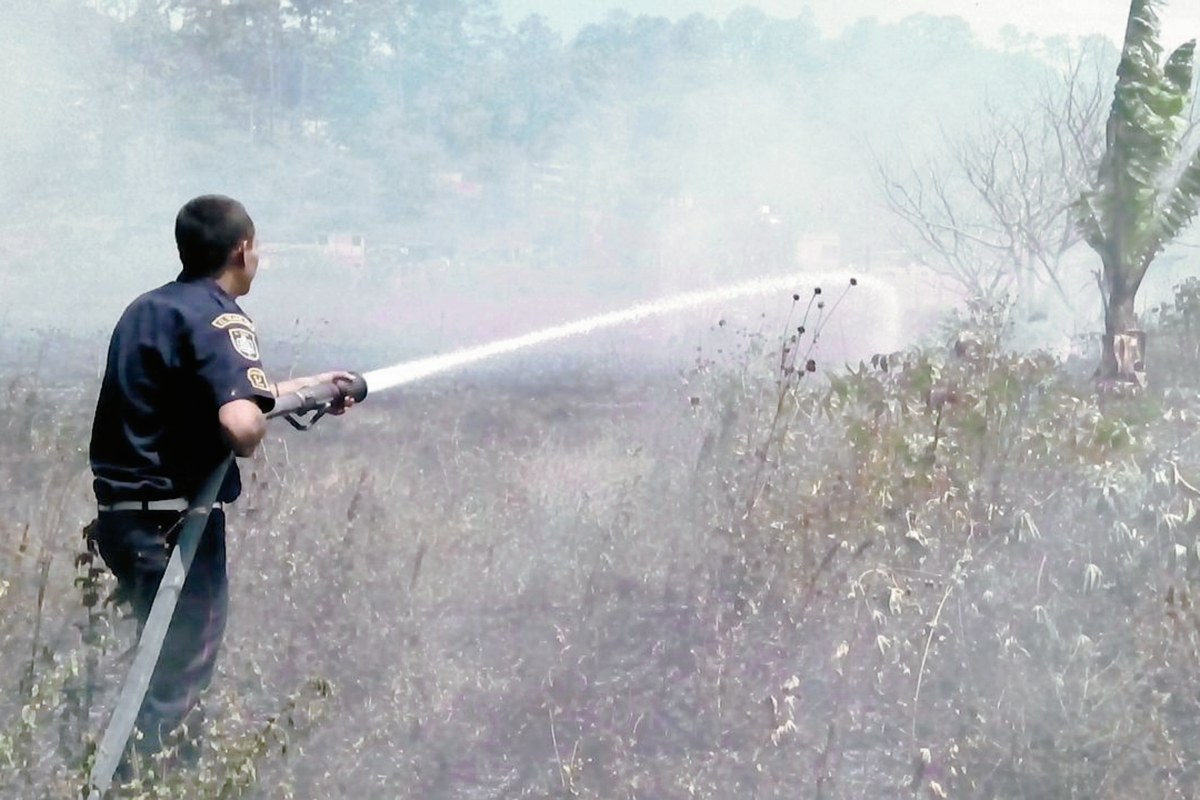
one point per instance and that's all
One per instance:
(207, 230)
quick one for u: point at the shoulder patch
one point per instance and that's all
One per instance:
(225, 320)
(245, 343)
(258, 379)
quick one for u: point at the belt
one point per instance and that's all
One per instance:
(173, 504)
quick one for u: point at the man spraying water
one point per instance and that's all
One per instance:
(184, 390)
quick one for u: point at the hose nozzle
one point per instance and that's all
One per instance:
(317, 400)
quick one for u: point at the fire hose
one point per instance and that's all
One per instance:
(300, 409)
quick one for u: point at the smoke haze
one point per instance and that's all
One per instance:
(684, 555)
(499, 179)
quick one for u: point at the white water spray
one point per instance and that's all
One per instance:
(410, 371)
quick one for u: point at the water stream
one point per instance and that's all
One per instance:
(407, 372)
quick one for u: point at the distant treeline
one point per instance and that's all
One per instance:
(440, 126)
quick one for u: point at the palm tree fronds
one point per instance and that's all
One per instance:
(1141, 34)
(1088, 219)
(1131, 212)
(1181, 203)
(1178, 70)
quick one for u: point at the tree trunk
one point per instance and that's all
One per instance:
(1123, 355)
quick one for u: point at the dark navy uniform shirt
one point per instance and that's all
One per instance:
(177, 354)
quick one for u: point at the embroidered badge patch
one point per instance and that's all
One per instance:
(258, 379)
(244, 342)
(225, 320)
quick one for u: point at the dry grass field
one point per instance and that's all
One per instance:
(937, 575)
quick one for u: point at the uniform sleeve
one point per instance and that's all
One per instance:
(227, 360)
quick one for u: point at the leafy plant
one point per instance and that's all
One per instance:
(1142, 198)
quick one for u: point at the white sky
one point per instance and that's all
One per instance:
(1181, 19)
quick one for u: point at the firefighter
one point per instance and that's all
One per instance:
(183, 387)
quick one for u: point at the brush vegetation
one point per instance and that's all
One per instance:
(954, 571)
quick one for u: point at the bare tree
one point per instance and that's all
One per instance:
(992, 209)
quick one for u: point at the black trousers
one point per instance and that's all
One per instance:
(136, 546)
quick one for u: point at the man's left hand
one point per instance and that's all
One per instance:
(338, 377)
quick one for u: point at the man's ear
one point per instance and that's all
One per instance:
(239, 254)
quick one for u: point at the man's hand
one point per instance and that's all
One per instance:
(345, 401)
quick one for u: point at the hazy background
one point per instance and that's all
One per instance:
(958, 570)
(430, 175)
